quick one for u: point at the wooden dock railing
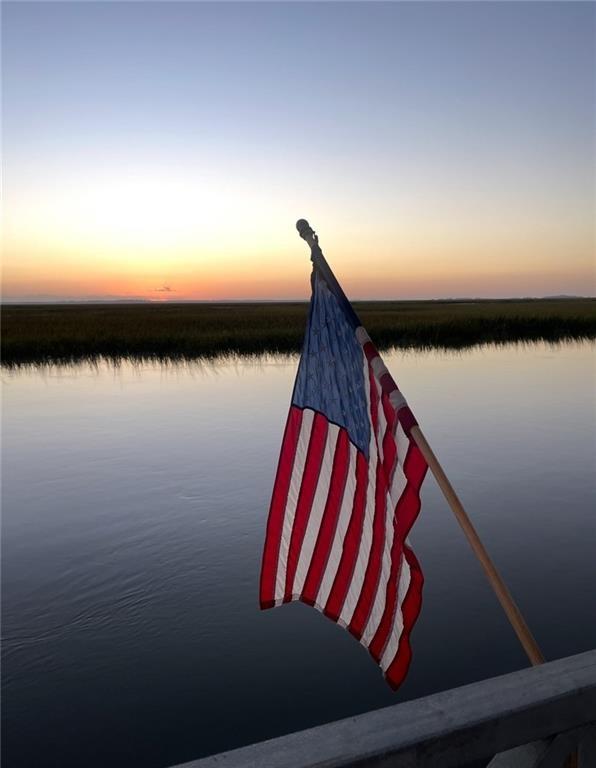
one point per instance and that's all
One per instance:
(534, 718)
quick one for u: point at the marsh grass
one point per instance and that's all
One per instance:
(61, 333)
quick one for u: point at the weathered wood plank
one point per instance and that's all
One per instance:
(446, 729)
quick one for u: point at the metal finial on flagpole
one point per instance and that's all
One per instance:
(307, 233)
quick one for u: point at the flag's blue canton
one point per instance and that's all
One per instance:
(330, 376)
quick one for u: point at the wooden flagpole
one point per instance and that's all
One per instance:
(494, 577)
(503, 594)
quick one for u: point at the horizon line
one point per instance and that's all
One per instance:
(301, 300)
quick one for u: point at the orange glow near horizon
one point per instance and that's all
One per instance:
(259, 279)
(138, 164)
(160, 237)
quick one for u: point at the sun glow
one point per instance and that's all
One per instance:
(137, 212)
(128, 230)
(132, 231)
(136, 161)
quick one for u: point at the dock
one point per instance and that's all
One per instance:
(533, 718)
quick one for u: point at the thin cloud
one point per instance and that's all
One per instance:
(165, 289)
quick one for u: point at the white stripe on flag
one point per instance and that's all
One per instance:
(379, 367)
(398, 621)
(365, 544)
(398, 483)
(381, 420)
(396, 399)
(402, 442)
(345, 514)
(292, 502)
(316, 511)
(378, 606)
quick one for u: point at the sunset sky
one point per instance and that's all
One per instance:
(165, 150)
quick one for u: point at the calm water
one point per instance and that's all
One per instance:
(134, 505)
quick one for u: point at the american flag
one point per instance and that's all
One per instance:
(347, 489)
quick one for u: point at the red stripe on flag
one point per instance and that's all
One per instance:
(389, 445)
(370, 351)
(381, 637)
(387, 384)
(278, 507)
(389, 456)
(389, 411)
(371, 574)
(351, 545)
(374, 403)
(310, 478)
(415, 468)
(406, 419)
(373, 567)
(406, 512)
(410, 609)
(326, 533)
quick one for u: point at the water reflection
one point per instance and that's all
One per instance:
(134, 500)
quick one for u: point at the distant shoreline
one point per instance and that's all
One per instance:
(73, 332)
(27, 302)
